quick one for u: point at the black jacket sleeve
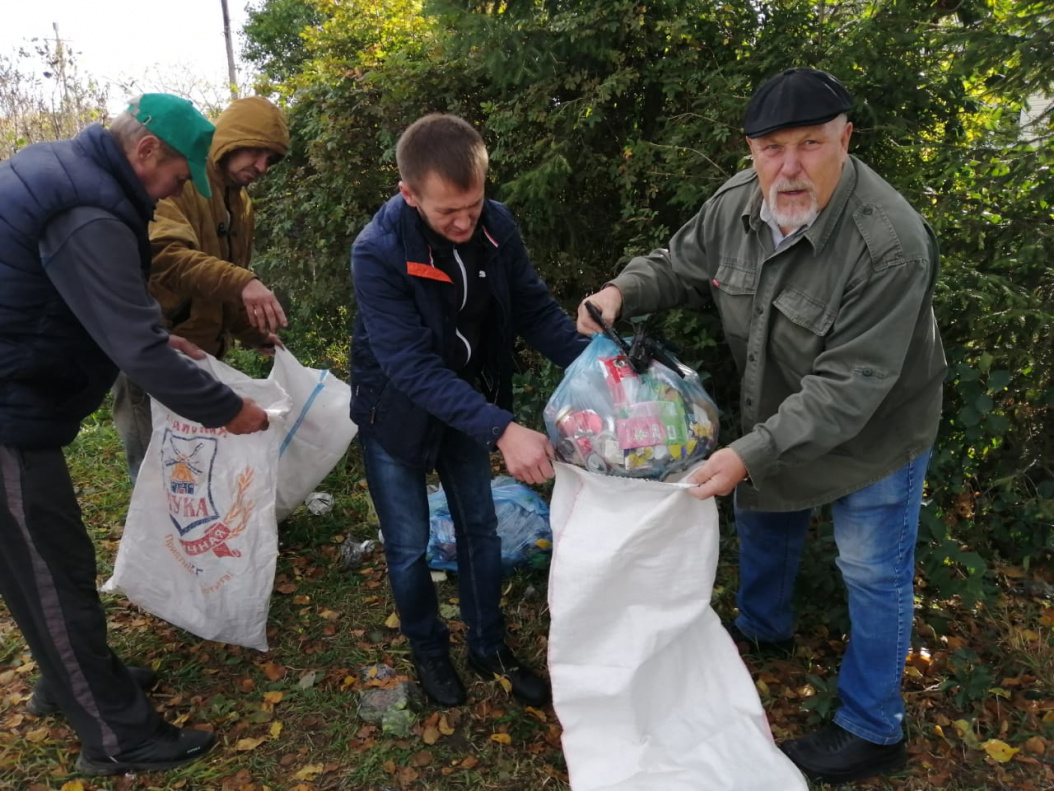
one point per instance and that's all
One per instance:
(92, 259)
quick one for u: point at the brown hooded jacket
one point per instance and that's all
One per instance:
(202, 246)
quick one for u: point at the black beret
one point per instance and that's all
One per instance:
(795, 97)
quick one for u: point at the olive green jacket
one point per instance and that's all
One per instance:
(202, 246)
(833, 334)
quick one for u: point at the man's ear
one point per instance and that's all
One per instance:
(147, 147)
(407, 194)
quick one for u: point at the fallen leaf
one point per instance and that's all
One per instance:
(407, 775)
(329, 615)
(309, 772)
(471, 762)
(286, 588)
(245, 745)
(444, 726)
(430, 735)
(501, 738)
(273, 697)
(392, 621)
(274, 672)
(1000, 750)
(72, 785)
(966, 733)
(538, 715)
(37, 735)
(1036, 745)
(275, 730)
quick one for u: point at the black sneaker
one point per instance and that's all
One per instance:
(168, 748)
(439, 680)
(759, 647)
(834, 755)
(527, 686)
(41, 703)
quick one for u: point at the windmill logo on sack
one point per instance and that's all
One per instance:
(188, 462)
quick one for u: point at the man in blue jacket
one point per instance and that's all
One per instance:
(74, 255)
(443, 286)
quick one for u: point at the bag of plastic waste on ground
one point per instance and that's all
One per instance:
(317, 431)
(201, 540)
(523, 527)
(648, 686)
(631, 410)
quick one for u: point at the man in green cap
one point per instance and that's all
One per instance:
(74, 255)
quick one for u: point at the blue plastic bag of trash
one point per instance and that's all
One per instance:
(523, 526)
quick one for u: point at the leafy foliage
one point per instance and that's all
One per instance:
(610, 123)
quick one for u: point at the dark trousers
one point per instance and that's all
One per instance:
(47, 578)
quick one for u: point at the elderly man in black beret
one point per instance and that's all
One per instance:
(823, 277)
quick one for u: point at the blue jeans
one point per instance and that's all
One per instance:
(401, 500)
(875, 529)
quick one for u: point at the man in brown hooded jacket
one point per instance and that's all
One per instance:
(202, 246)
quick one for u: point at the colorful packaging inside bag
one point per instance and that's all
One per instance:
(606, 417)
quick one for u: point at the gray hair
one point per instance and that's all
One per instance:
(128, 131)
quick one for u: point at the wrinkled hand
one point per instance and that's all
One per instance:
(528, 454)
(718, 475)
(609, 302)
(264, 311)
(181, 344)
(250, 419)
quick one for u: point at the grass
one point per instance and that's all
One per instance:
(287, 719)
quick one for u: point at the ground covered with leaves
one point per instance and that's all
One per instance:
(979, 689)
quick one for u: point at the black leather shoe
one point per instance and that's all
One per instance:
(439, 680)
(833, 755)
(41, 703)
(759, 647)
(527, 686)
(168, 748)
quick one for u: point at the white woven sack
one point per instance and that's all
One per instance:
(316, 432)
(648, 686)
(201, 540)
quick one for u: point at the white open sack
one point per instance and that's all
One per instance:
(201, 541)
(648, 686)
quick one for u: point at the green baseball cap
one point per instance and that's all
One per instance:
(178, 123)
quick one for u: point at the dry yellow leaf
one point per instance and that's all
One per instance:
(538, 715)
(1000, 750)
(244, 745)
(72, 785)
(444, 726)
(276, 730)
(392, 621)
(430, 735)
(965, 730)
(273, 697)
(329, 615)
(309, 772)
(501, 738)
(504, 682)
(763, 688)
(37, 735)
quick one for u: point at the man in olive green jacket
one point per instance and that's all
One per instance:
(202, 247)
(823, 277)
